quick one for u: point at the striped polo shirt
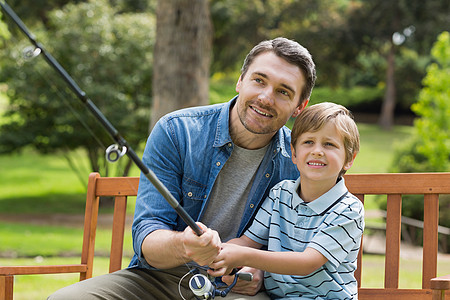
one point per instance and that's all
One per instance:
(332, 224)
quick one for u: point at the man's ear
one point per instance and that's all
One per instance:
(299, 108)
(238, 84)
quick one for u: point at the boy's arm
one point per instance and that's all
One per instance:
(289, 263)
(245, 241)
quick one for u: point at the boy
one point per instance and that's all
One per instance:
(312, 227)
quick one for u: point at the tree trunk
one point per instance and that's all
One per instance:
(386, 120)
(182, 56)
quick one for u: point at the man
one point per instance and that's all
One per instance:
(219, 162)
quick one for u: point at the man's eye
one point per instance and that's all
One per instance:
(284, 93)
(258, 80)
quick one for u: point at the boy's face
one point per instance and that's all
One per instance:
(269, 94)
(320, 155)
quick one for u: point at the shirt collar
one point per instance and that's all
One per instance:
(223, 124)
(324, 202)
(223, 130)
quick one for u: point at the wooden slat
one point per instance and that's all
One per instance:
(118, 230)
(28, 270)
(90, 226)
(393, 229)
(394, 294)
(6, 287)
(401, 183)
(358, 272)
(116, 186)
(430, 239)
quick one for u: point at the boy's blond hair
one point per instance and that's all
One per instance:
(314, 117)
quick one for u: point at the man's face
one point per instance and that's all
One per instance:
(269, 94)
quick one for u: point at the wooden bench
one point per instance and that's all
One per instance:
(431, 185)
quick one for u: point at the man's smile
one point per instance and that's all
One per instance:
(260, 112)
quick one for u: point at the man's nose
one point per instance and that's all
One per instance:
(266, 96)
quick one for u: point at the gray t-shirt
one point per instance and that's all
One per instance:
(230, 191)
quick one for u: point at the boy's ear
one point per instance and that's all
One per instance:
(349, 164)
(293, 154)
(299, 108)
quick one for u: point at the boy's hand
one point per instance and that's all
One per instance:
(226, 261)
(201, 249)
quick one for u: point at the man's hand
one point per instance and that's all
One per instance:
(201, 249)
(249, 288)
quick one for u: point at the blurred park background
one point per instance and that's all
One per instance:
(387, 61)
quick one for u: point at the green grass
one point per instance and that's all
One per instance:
(377, 146)
(18, 240)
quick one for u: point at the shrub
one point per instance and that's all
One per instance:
(429, 148)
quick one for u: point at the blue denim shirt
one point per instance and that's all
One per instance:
(186, 150)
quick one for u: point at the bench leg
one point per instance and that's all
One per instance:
(438, 294)
(6, 287)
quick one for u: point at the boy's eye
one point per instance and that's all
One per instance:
(329, 144)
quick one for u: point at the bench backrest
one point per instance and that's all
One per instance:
(394, 185)
(430, 185)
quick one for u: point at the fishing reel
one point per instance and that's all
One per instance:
(205, 287)
(113, 152)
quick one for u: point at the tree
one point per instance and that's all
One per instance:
(109, 55)
(429, 147)
(386, 26)
(182, 56)
(433, 107)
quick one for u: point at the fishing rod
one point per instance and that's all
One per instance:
(199, 284)
(115, 151)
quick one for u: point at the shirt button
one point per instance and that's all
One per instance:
(206, 196)
(229, 144)
(252, 205)
(218, 163)
(267, 175)
(190, 194)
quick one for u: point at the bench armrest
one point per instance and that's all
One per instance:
(441, 283)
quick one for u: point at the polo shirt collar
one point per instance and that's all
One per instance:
(324, 202)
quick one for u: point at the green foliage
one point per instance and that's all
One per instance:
(4, 32)
(428, 150)
(433, 107)
(354, 97)
(109, 54)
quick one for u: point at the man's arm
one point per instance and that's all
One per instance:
(166, 249)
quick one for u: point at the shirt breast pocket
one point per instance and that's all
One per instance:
(193, 196)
